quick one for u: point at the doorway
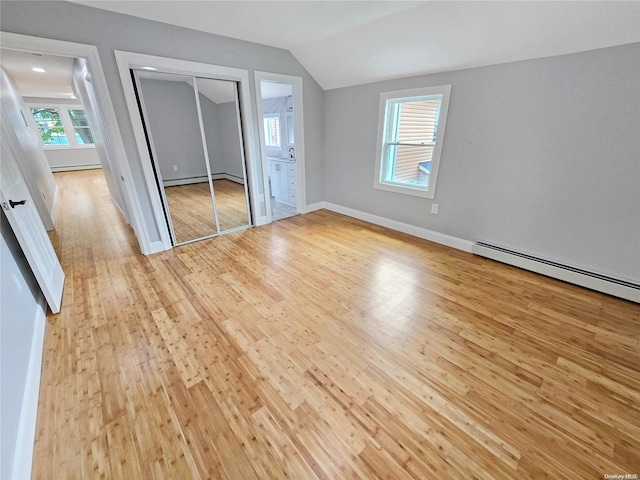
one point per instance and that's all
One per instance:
(281, 126)
(107, 136)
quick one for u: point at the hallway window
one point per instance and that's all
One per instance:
(50, 126)
(62, 127)
(81, 126)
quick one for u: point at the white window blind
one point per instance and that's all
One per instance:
(416, 132)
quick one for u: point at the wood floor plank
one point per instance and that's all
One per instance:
(323, 347)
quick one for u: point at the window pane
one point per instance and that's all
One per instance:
(50, 126)
(408, 164)
(418, 120)
(84, 136)
(78, 117)
(272, 131)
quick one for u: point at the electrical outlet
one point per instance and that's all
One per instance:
(434, 208)
(175, 168)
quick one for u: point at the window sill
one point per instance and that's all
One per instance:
(405, 190)
(67, 147)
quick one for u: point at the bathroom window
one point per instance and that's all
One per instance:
(272, 130)
(410, 135)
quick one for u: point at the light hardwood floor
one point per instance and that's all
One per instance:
(192, 210)
(324, 347)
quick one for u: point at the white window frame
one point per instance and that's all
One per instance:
(81, 127)
(67, 124)
(266, 117)
(58, 110)
(384, 133)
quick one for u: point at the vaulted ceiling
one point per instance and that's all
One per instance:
(343, 43)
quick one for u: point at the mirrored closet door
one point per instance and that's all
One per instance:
(195, 142)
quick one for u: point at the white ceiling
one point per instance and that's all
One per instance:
(343, 43)
(54, 83)
(273, 89)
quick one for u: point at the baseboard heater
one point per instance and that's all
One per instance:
(595, 281)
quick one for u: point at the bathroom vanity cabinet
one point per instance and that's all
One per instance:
(282, 173)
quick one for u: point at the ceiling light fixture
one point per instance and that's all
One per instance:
(38, 69)
(149, 68)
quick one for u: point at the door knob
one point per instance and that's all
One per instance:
(14, 204)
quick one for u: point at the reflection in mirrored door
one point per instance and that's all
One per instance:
(221, 122)
(195, 140)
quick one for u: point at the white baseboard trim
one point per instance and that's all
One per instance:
(214, 176)
(155, 247)
(23, 455)
(184, 181)
(433, 236)
(72, 168)
(227, 176)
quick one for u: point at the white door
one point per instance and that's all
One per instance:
(27, 226)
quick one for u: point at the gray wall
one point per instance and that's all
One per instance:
(541, 156)
(173, 120)
(18, 311)
(112, 31)
(223, 137)
(174, 125)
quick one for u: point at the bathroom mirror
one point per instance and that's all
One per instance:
(219, 106)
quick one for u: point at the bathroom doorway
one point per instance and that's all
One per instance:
(281, 141)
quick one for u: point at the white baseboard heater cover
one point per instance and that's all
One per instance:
(595, 281)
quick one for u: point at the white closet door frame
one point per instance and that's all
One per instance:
(138, 61)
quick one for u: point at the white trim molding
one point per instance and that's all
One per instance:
(433, 236)
(72, 168)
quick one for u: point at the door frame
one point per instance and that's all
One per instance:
(118, 160)
(298, 110)
(130, 60)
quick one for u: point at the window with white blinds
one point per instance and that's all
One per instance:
(272, 130)
(410, 140)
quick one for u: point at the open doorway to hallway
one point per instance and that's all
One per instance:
(59, 108)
